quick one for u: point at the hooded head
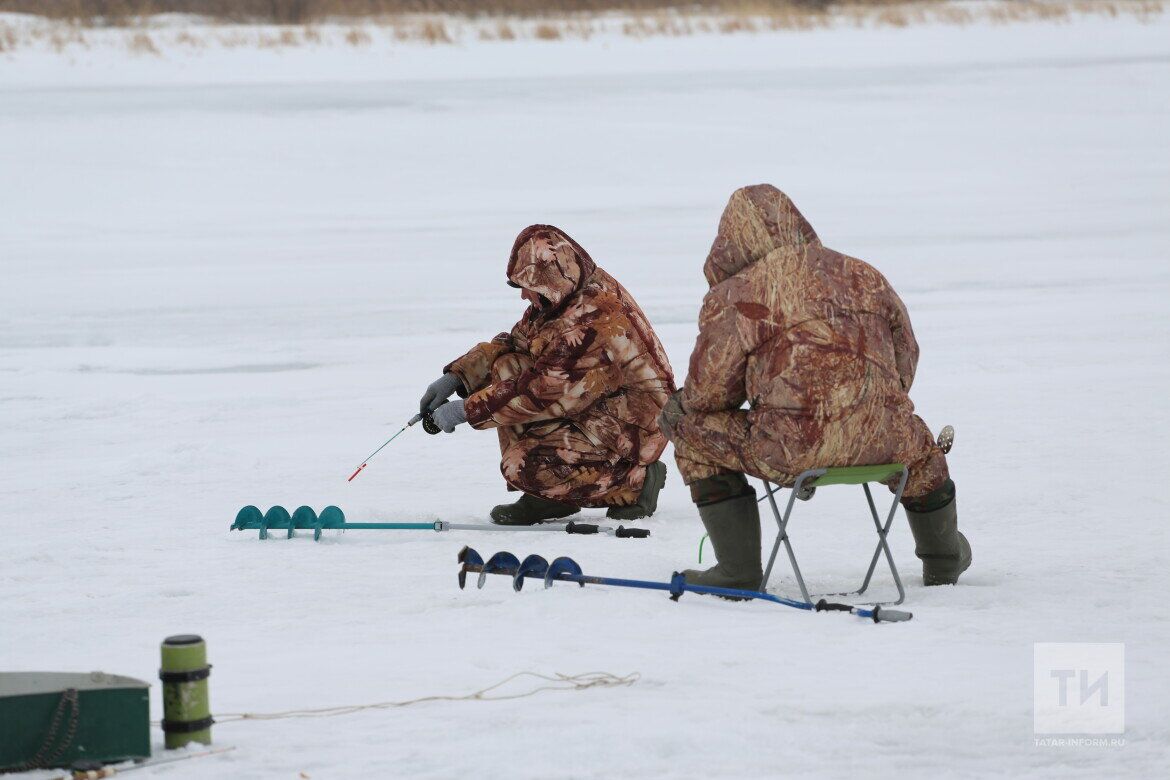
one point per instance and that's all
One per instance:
(758, 219)
(546, 261)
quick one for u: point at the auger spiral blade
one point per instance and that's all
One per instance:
(532, 566)
(500, 563)
(304, 517)
(561, 566)
(471, 561)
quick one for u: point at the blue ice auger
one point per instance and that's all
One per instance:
(568, 570)
(304, 518)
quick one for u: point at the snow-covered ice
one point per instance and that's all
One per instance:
(229, 276)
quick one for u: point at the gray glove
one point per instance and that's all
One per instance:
(450, 415)
(438, 392)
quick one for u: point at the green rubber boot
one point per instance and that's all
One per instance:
(530, 510)
(727, 506)
(944, 551)
(647, 502)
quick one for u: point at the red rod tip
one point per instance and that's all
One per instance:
(359, 471)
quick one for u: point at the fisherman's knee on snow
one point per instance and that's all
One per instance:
(820, 349)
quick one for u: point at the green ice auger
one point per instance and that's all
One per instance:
(186, 704)
(332, 518)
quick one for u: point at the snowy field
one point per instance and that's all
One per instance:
(228, 277)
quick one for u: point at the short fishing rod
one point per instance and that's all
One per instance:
(428, 425)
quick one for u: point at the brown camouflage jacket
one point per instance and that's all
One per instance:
(801, 332)
(592, 358)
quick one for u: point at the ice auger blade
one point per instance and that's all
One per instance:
(561, 566)
(500, 563)
(471, 561)
(276, 517)
(533, 566)
(248, 517)
(303, 517)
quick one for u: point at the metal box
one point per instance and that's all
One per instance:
(52, 719)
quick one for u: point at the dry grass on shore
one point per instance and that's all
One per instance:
(360, 23)
(306, 11)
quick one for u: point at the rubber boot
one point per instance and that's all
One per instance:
(647, 501)
(727, 506)
(530, 510)
(945, 553)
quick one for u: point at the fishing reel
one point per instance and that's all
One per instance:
(428, 424)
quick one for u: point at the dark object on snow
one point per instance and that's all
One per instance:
(568, 570)
(53, 719)
(186, 701)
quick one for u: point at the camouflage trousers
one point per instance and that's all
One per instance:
(777, 447)
(554, 459)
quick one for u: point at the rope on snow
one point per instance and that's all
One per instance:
(554, 682)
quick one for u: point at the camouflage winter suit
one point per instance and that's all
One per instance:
(816, 342)
(576, 387)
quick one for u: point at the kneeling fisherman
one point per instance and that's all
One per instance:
(574, 390)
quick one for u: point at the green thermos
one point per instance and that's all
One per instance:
(186, 704)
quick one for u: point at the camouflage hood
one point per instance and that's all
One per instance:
(758, 219)
(547, 261)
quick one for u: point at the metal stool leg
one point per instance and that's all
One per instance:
(782, 535)
(883, 545)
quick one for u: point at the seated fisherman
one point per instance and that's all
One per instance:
(574, 390)
(820, 347)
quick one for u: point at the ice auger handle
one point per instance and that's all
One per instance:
(877, 614)
(631, 533)
(882, 615)
(581, 528)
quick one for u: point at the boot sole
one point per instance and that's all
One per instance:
(692, 577)
(950, 580)
(934, 581)
(549, 519)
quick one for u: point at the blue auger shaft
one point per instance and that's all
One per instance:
(677, 586)
(563, 569)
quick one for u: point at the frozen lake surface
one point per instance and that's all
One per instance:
(227, 278)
